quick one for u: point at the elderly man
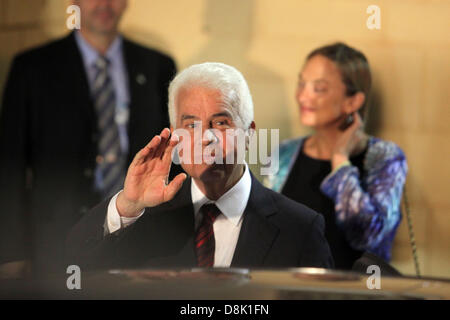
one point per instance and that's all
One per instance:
(75, 112)
(220, 216)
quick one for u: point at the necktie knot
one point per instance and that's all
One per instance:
(210, 213)
(102, 63)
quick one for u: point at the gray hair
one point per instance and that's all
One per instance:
(228, 80)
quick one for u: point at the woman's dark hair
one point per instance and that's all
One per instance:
(353, 66)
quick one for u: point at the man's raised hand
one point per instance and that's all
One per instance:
(146, 183)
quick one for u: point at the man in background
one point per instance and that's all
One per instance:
(74, 112)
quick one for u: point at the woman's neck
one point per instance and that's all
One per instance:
(320, 144)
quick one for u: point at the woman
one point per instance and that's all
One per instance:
(353, 179)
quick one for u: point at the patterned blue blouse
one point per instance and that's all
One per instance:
(367, 208)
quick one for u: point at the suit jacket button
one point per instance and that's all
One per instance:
(141, 79)
(83, 210)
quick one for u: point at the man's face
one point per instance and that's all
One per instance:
(200, 110)
(101, 16)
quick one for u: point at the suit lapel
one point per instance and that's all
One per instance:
(80, 85)
(257, 232)
(132, 63)
(138, 92)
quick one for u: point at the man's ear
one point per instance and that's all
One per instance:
(354, 103)
(251, 128)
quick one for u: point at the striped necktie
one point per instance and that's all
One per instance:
(205, 243)
(110, 160)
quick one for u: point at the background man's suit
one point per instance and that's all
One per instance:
(276, 232)
(49, 138)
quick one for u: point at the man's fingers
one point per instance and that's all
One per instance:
(165, 133)
(147, 151)
(162, 146)
(154, 143)
(140, 155)
(157, 142)
(167, 156)
(174, 186)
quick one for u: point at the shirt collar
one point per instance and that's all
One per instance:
(90, 55)
(232, 204)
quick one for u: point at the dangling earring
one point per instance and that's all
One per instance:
(347, 122)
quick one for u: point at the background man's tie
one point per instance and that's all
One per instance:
(110, 160)
(205, 243)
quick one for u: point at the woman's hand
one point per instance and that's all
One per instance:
(146, 180)
(351, 141)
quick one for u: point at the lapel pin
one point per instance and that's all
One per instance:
(141, 79)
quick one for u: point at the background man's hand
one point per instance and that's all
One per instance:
(146, 183)
(351, 141)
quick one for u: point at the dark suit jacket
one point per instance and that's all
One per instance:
(48, 142)
(275, 232)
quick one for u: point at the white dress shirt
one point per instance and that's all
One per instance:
(227, 226)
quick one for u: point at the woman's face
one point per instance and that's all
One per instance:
(321, 93)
